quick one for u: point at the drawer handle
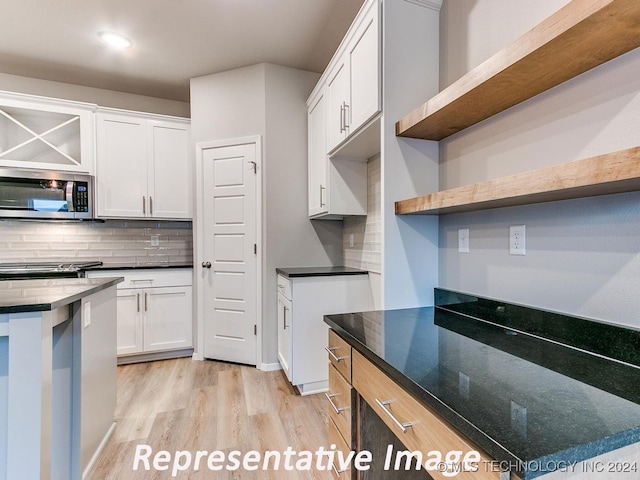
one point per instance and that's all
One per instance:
(401, 426)
(150, 280)
(333, 355)
(335, 407)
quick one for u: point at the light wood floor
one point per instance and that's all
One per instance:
(189, 405)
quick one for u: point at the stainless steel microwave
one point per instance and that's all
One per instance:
(44, 194)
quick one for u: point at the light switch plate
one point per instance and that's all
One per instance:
(463, 240)
(155, 240)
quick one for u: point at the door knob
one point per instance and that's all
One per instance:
(206, 264)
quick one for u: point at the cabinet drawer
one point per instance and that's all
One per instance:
(428, 431)
(339, 399)
(146, 278)
(284, 286)
(335, 438)
(340, 355)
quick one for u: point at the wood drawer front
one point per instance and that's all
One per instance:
(428, 431)
(340, 355)
(339, 396)
(336, 438)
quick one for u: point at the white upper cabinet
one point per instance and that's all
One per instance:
(346, 99)
(143, 168)
(121, 180)
(169, 182)
(353, 77)
(46, 133)
(338, 186)
(364, 60)
(339, 101)
(318, 182)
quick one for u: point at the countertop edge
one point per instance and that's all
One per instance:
(291, 273)
(103, 284)
(103, 268)
(489, 445)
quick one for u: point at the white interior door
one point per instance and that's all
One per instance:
(229, 252)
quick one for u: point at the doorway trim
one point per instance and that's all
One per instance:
(198, 353)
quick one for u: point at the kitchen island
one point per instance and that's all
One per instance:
(57, 375)
(537, 393)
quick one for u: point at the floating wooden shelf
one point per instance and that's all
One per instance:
(577, 38)
(602, 175)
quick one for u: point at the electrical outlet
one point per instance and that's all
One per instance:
(351, 240)
(517, 240)
(155, 240)
(519, 418)
(463, 240)
(463, 385)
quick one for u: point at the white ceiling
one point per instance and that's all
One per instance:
(173, 40)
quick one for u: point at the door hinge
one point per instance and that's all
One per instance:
(255, 329)
(255, 248)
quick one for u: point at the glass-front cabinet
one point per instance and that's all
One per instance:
(46, 133)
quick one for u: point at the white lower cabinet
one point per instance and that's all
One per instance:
(284, 334)
(302, 333)
(154, 310)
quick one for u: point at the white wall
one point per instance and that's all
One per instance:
(583, 256)
(99, 96)
(409, 167)
(269, 100)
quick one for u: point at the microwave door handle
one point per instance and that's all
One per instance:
(68, 191)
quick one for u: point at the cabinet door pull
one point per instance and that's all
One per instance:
(336, 409)
(322, 204)
(150, 205)
(346, 117)
(145, 301)
(401, 426)
(284, 318)
(333, 355)
(138, 301)
(342, 118)
(144, 205)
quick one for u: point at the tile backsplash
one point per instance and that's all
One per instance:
(366, 252)
(112, 241)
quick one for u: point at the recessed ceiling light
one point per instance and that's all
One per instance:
(115, 39)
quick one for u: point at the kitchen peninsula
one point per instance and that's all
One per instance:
(57, 374)
(536, 393)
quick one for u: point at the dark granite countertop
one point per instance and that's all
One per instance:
(36, 295)
(139, 266)
(294, 272)
(525, 400)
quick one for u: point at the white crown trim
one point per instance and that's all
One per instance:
(431, 4)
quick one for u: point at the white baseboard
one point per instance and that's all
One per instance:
(269, 367)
